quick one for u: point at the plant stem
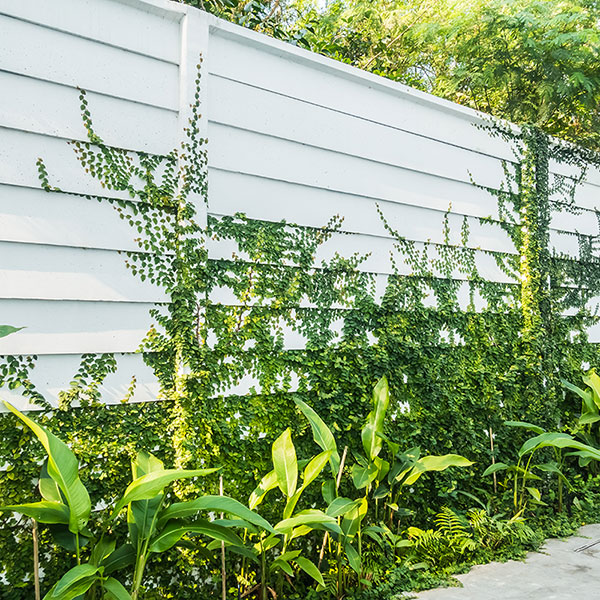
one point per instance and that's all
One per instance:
(223, 572)
(36, 562)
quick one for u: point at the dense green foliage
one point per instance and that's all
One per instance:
(461, 354)
(527, 62)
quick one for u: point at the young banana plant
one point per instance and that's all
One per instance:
(154, 525)
(293, 524)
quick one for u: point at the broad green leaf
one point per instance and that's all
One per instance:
(267, 483)
(436, 463)
(65, 538)
(321, 434)
(555, 440)
(328, 491)
(353, 557)
(535, 494)
(278, 563)
(141, 517)
(145, 463)
(586, 396)
(524, 425)
(121, 558)
(114, 590)
(74, 583)
(589, 418)
(310, 569)
(500, 466)
(48, 487)
(372, 442)
(363, 476)
(42, 512)
(150, 485)
(593, 381)
(63, 468)
(102, 549)
(8, 329)
(307, 517)
(217, 504)
(340, 506)
(314, 468)
(285, 463)
(352, 519)
(175, 531)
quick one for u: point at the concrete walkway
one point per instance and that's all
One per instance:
(563, 570)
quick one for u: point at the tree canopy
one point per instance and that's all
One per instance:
(527, 62)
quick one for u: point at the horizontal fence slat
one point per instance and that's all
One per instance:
(51, 55)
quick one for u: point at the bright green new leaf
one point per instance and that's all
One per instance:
(310, 569)
(63, 468)
(436, 463)
(267, 483)
(314, 468)
(307, 517)
(321, 434)
(363, 476)
(150, 485)
(48, 487)
(592, 380)
(371, 439)
(341, 506)
(285, 463)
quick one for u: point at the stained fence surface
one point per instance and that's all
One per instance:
(292, 136)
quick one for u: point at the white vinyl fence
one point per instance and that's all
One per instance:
(292, 135)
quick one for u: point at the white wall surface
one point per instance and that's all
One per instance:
(292, 135)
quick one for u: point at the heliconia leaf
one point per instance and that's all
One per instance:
(285, 463)
(436, 463)
(314, 468)
(42, 512)
(310, 569)
(353, 557)
(48, 487)
(120, 558)
(151, 484)
(175, 531)
(114, 590)
(74, 583)
(353, 518)
(535, 494)
(102, 549)
(371, 439)
(8, 329)
(307, 517)
(499, 466)
(267, 483)
(145, 463)
(181, 510)
(340, 506)
(63, 468)
(321, 434)
(328, 491)
(363, 476)
(524, 425)
(556, 440)
(593, 381)
(278, 563)
(586, 395)
(141, 517)
(589, 418)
